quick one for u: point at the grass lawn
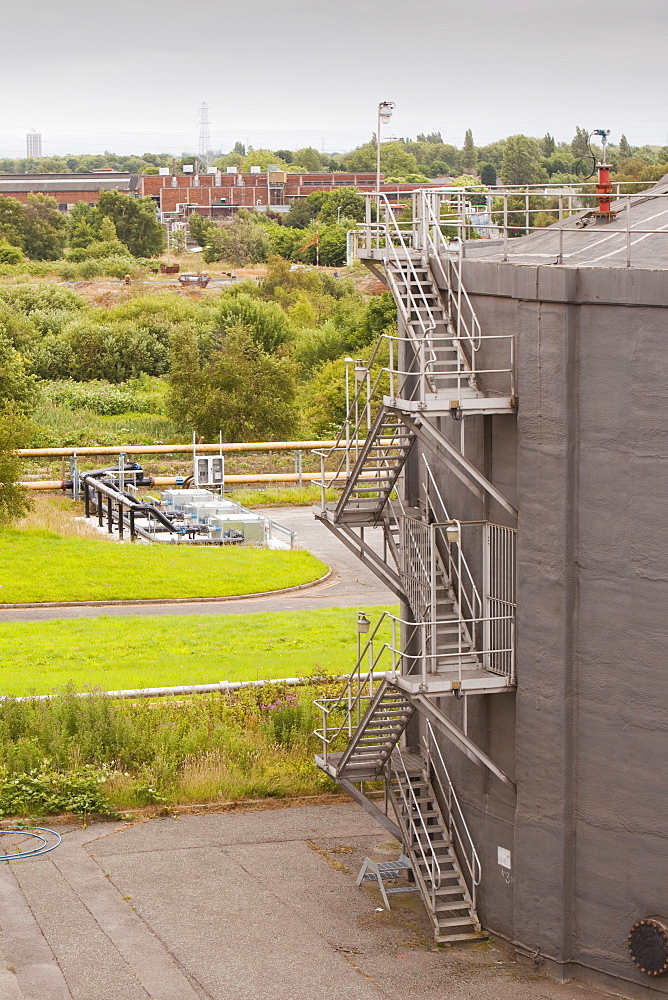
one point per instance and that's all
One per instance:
(116, 653)
(43, 566)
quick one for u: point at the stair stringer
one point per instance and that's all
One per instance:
(446, 897)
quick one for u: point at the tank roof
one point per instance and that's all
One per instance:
(590, 243)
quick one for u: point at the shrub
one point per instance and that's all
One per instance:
(26, 298)
(266, 321)
(99, 397)
(114, 352)
(44, 791)
(10, 254)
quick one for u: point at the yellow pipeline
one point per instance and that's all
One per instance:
(173, 449)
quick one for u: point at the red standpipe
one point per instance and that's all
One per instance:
(604, 190)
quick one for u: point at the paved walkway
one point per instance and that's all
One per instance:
(254, 905)
(350, 585)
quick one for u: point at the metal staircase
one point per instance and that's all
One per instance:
(456, 579)
(376, 470)
(375, 737)
(431, 841)
(446, 367)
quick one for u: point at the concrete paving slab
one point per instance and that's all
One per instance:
(25, 950)
(90, 965)
(238, 827)
(249, 905)
(156, 969)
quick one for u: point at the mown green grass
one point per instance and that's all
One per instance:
(281, 496)
(43, 566)
(166, 651)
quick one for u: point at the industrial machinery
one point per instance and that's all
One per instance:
(192, 515)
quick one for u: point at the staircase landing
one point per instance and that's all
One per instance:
(472, 681)
(442, 403)
(366, 772)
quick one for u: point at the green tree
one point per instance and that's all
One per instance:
(346, 203)
(243, 241)
(135, 221)
(492, 153)
(45, 228)
(560, 162)
(15, 501)
(266, 321)
(624, 148)
(240, 390)
(12, 221)
(488, 174)
(37, 227)
(200, 228)
(522, 161)
(83, 225)
(437, 168)
(469, 154)
(547, 144)
(305, 210)
(580, 143)
(18, 389)
(309, 158)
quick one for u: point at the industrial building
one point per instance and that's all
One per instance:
(516, 461)
(220, 194)
(68, 189)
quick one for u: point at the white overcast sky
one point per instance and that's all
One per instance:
(129, 76)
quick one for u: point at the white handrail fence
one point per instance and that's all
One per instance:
(458, 829)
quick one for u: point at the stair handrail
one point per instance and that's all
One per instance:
(474, 600)
(347, 438)
(391, 231)
(439, 246)
(349, 696)
(431, 864)
(455, 821)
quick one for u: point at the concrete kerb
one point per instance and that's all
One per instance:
(145, 602)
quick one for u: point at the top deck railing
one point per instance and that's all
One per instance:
(440, 222)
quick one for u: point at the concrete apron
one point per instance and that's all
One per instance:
(247, 905)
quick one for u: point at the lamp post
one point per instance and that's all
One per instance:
(385, 109)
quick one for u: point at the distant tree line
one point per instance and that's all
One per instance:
(423, 158)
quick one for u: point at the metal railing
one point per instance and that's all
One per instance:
(456, 565)
(412, 383)
(412, 818)
(512, 211)
(460, 835)
(411, 650)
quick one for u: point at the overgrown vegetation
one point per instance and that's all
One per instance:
(94, 755)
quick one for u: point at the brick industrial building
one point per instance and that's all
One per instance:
(214, 194)
(68, 189)
(221, 194)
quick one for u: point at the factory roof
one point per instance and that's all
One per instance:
(637, 236)
(48, 183)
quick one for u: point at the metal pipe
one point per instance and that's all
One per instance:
(164, 692)
(169, 449)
